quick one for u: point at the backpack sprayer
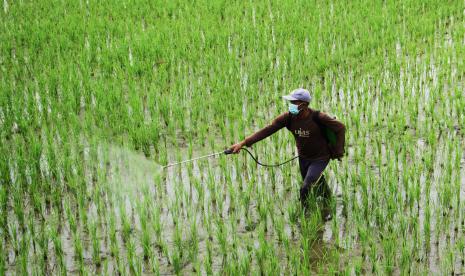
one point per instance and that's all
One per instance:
(229, 151)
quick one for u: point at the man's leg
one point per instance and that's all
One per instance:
(314, 170)
(303, 165)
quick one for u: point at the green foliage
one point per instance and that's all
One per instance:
(169, 80)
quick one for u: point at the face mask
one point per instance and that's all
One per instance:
(293, 109)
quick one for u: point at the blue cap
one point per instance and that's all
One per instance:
(299, 94)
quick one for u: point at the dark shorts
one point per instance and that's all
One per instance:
(311, 170)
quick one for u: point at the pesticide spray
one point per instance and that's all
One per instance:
(130, 174)
(136, 171)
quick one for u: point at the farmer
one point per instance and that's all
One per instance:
(313, 149)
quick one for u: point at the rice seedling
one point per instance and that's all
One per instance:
(125, 223)
(132, 263)
(14, 238)
(193, 242)
(208, 258)
(96, 244)
(58, 250)
(23, 259)
(78, 251)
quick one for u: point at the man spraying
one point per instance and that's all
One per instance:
(314, 149)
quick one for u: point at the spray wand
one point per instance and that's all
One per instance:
(229, 151)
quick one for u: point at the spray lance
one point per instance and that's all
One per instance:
(229, 151)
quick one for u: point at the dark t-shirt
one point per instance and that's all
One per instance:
(311, 144)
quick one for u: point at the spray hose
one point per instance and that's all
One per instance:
(229, 151)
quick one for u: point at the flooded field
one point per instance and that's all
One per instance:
(91, 111)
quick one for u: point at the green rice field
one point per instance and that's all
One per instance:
(97, 96)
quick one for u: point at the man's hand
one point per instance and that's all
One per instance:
(338, 156)
(237, 147)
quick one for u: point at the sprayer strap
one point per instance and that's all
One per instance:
(267, 165)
